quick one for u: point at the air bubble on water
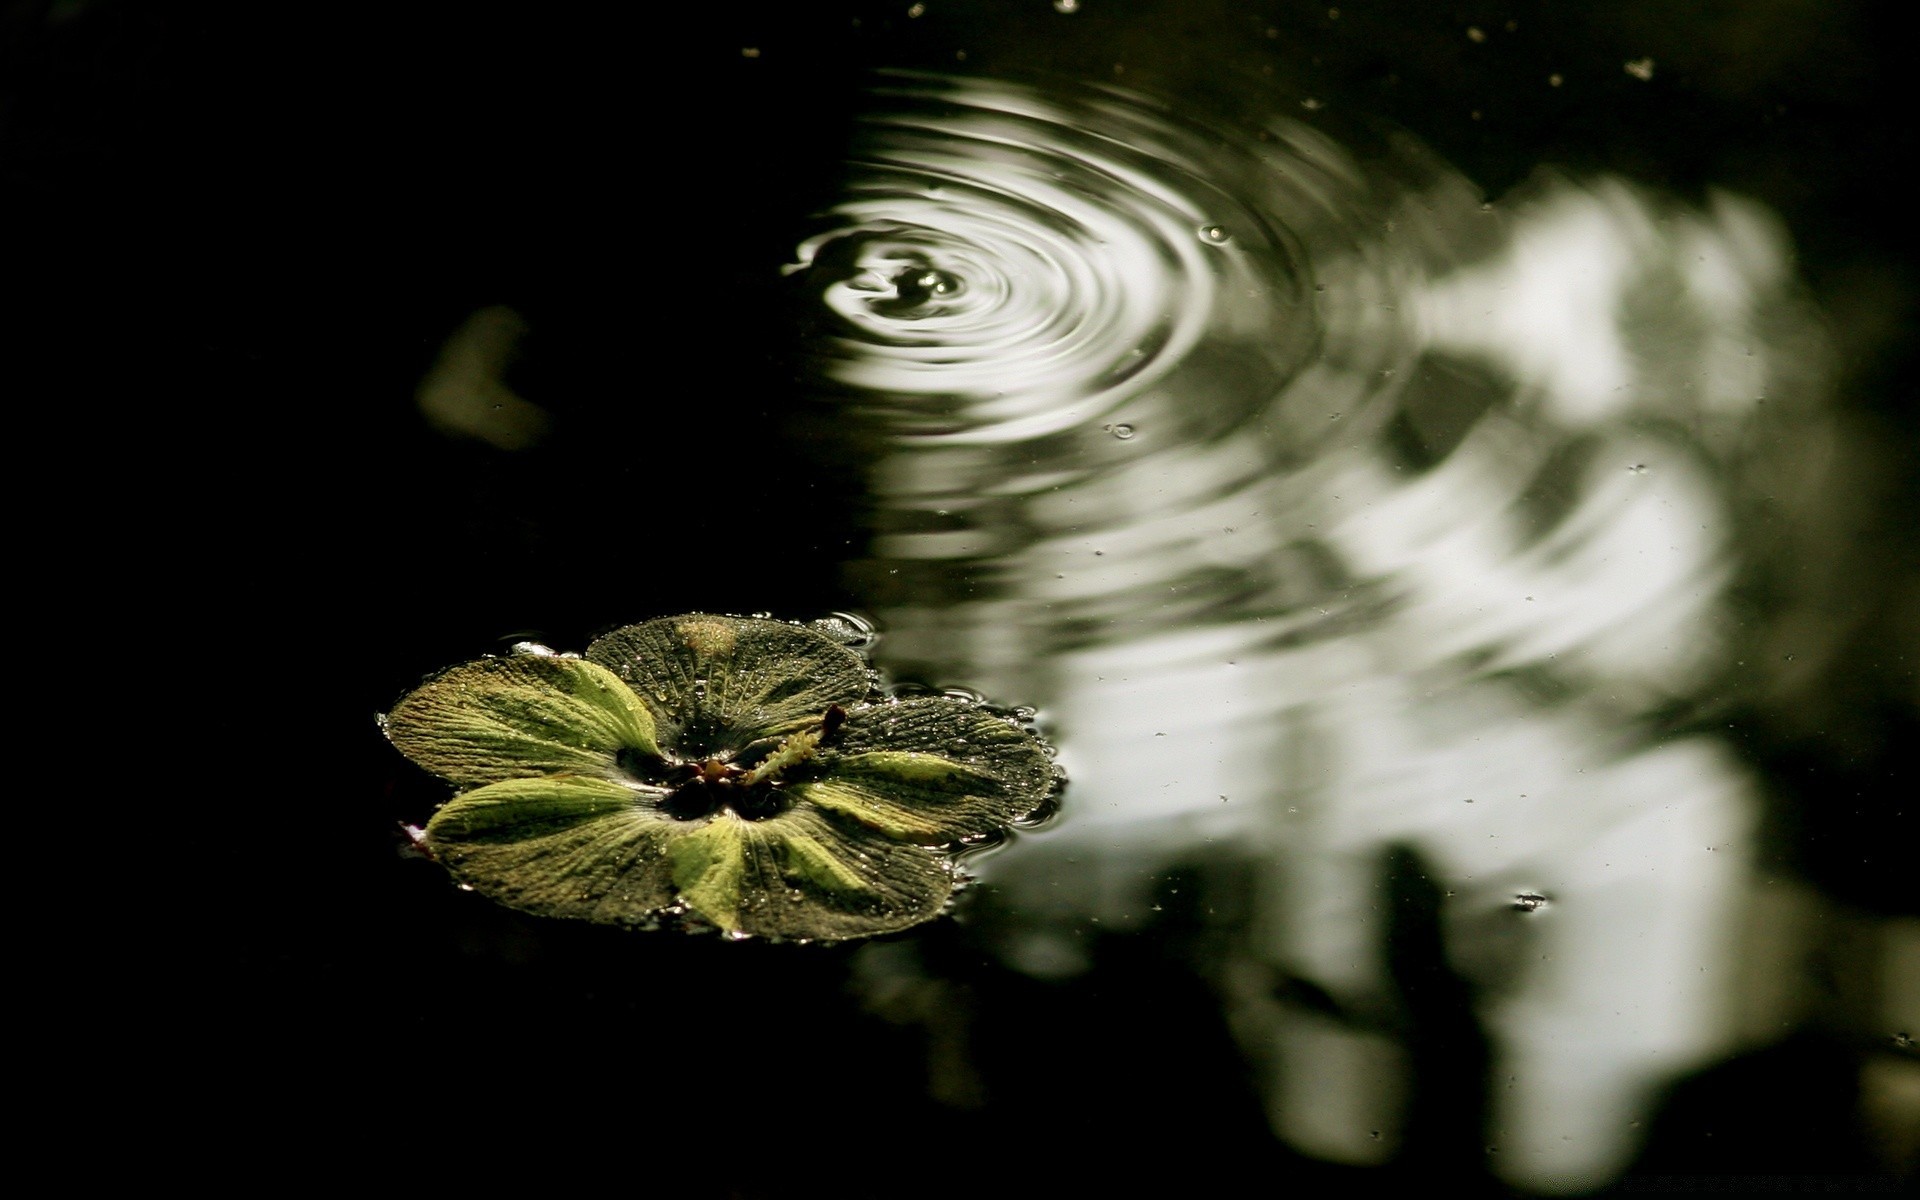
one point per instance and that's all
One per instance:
(533, 649)
(849, 629)
(1529, 901)
(1215, 235)
(1123, 432)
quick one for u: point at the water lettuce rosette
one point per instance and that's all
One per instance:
(741, 772)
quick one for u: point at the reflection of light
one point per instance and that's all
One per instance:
(1264, 626)
(464, 393)
(1572, 307)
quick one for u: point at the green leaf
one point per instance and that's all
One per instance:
(562, 846)
(819, 814)
(800, 877)
(721, 683)
(930, 771)
(529, 715)
(711, 865)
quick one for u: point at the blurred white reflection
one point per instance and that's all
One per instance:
(1421, 541)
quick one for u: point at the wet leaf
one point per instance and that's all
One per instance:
(506, 718)
(931, 771)
(564, 846)
(802, 877)
(727, 770)
(724, 682)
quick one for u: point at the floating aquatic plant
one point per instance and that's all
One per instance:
(744, 773)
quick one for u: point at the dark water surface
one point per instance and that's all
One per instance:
(1443, 477)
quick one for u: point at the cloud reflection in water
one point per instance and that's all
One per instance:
(1421, 546)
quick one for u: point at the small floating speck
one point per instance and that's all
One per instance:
(1214, 234)
(1640, 68)
(1066, 6)
(1529, 901)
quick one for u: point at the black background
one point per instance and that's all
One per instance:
(243, 231)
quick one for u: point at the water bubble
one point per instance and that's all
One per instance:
(1214, 234)
(1529, 901)
(533, 650)
(850, 629)
(1123, 432)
